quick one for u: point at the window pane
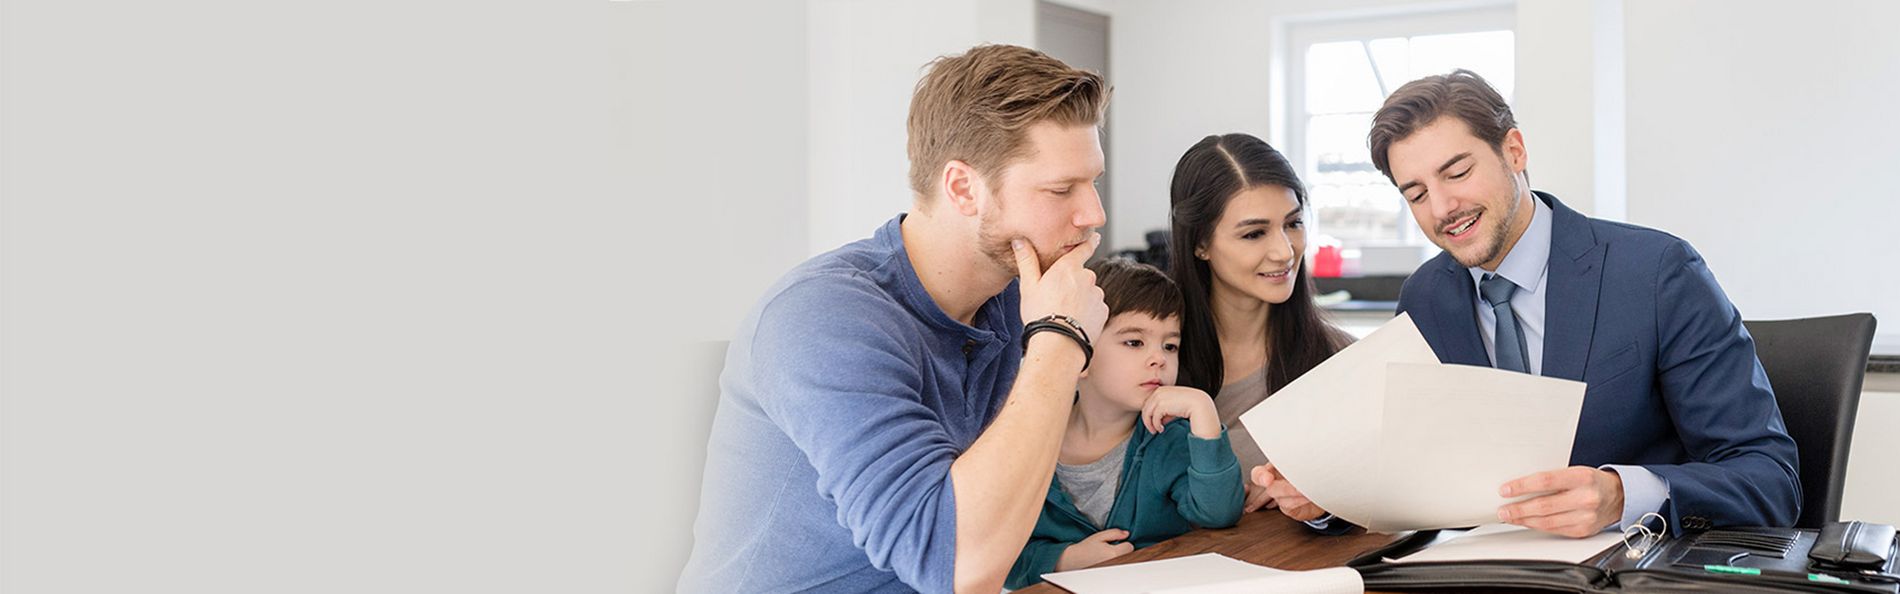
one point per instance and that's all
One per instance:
(1338, 79)
(1351, 200)
(1394, 60)
(1490, 54)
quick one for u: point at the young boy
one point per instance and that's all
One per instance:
(1142, 460)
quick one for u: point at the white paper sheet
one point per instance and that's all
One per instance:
(1322, 430)
(1206, 573)
(1384, 436)
(1335, 580)
(1455, 433)
(1505, 541)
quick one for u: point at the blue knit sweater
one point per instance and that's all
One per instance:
(846, 395)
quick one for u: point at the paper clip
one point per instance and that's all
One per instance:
(1639, 539)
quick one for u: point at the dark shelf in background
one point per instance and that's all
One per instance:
(1363, 288)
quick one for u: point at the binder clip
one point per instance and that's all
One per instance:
(1639, 539)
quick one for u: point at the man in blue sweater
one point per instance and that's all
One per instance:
(883, 424)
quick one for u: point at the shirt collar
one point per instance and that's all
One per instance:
(1525, 265)
(910, 290)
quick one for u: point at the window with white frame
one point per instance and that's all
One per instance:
(1339, 72)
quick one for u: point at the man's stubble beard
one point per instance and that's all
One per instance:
(1504, 227)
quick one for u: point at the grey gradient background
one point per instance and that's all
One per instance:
(425, 296)
(394, 296)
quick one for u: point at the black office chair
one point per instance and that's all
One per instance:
(1816, 366)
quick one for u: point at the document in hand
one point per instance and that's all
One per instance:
(1206, 573)
(1386, 437)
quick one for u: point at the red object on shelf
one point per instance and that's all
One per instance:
(1328, 262)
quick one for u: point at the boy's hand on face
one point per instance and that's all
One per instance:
(1066, 288)
(1098, 547)
(1168, 403)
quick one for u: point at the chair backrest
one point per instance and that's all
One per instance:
(1816, 366)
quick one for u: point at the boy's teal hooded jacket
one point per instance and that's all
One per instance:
(1170, 484)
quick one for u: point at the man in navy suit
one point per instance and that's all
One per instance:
(1678, 418)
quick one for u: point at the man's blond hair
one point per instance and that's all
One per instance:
(977, 108)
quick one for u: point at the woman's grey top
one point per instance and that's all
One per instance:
(1236, 398)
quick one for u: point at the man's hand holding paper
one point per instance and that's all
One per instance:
(1578, 501)
(1386, 437)
(1292, 503)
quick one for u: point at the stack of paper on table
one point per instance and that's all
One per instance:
(1386, 437)
(1495, 542)
(1207, 573)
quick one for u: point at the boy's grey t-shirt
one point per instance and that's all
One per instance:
(1092, 486)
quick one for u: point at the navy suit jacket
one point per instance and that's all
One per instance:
(1674, 385)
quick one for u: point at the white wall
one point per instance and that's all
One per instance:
(726, 137)
(1569, 100)
(1182, 70)
(1872, 493)
(742, 161)
(779, 128)
(1764, 133)
(865, 59)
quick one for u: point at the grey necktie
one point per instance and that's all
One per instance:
(1509, 338)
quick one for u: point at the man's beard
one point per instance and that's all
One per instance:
(1496, 245)
(994, 242)
(996, 246)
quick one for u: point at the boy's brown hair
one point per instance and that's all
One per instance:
(1130, 286)
(977, 108)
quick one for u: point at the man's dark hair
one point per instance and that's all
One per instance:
(1462, 94)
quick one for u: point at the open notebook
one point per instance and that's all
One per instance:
(1724, 560)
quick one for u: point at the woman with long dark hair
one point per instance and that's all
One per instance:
(1249, 325)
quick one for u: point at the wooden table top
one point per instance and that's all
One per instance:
(1266, 537)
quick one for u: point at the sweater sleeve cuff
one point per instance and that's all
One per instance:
(1211, 456)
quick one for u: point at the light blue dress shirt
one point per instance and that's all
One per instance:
(1526, 266)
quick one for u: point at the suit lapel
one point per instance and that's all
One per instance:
(1576, 277)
